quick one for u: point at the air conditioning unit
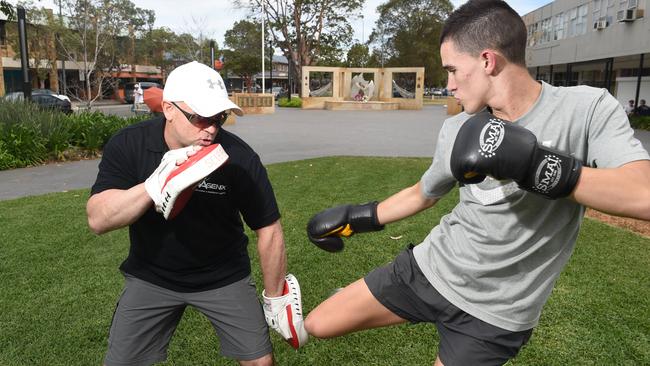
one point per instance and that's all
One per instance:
(629, 15)
(601, 24)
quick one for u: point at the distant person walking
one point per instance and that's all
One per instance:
(138, 97)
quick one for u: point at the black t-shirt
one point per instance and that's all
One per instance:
(204, 247)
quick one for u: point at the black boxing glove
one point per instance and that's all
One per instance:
(486, 145)
(327, 227)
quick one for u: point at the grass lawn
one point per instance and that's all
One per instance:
(59, 282)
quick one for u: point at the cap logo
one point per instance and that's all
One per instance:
(211, 84)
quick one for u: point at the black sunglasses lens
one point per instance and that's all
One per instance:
(217, 120)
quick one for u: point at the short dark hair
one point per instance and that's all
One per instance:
(481, 24)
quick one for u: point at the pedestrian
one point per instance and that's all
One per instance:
(198, 258)
(629, 108)
(138, 97)
(484, 273)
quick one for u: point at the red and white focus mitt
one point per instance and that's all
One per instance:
(284, 314)
(171, 185)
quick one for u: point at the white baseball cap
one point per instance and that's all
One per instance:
(201, 88)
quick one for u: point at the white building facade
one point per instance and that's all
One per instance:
(602, 43)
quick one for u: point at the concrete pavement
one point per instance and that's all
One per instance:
(286, 135)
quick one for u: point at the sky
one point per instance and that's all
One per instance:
(215, 17)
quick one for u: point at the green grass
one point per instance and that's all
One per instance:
(59, 282)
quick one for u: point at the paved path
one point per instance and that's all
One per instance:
(288, 134)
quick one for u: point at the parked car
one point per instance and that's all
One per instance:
(49, 101)
(19, 94)
(45, 99)
(275, 91)
(129, 87)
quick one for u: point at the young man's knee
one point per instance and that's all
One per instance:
(315, 326)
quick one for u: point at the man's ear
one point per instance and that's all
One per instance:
(168, 109)
(490, 61)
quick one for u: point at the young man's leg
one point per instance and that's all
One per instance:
(399, 292)
(351, 309)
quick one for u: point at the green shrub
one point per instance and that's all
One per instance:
(91, 130)
(293, 103)
(23, 142)
(30, 136)
(57, 133)
(640, 122)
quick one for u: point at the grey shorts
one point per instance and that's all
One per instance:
(464, 340)
(147, 315)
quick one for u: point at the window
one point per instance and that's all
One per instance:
(573, 22)
(596, 10)
(581, 23)
(559, 27)
(547, 30)
(3, 33)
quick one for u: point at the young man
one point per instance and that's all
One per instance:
(197, 258)
(484, 273)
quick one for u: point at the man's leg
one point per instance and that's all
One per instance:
(351, 309)
(266, 360)
(143, 323)
(237, 317)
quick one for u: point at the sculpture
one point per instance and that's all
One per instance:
(361, 90)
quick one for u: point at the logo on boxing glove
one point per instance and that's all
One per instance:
(491, 138)
(548, 173)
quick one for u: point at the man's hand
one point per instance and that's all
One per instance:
(171, 185)
(487, 145)
(326, 228)
(284, 313)
(169, 162)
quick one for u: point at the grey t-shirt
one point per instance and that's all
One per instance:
(499, 252)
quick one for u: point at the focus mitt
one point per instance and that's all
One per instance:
(284, 313)
(177, 184)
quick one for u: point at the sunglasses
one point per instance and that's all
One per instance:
(199, 121)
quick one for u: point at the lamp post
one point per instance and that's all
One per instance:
(263, 46)
(271, 68)
(212, 54)
(64, 90)
(24, 58)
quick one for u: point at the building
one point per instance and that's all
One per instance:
(62, 76)
(601, 43)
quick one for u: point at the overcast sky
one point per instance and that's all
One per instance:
(215, 17)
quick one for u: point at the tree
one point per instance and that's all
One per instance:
(245, 55)
(195, 40)
(307, 30)
(90, 40)
(357, 56)
(161, 47)
(407, 34)
(140, 22)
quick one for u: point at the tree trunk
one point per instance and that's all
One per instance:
(51, 55)
(3, 51)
